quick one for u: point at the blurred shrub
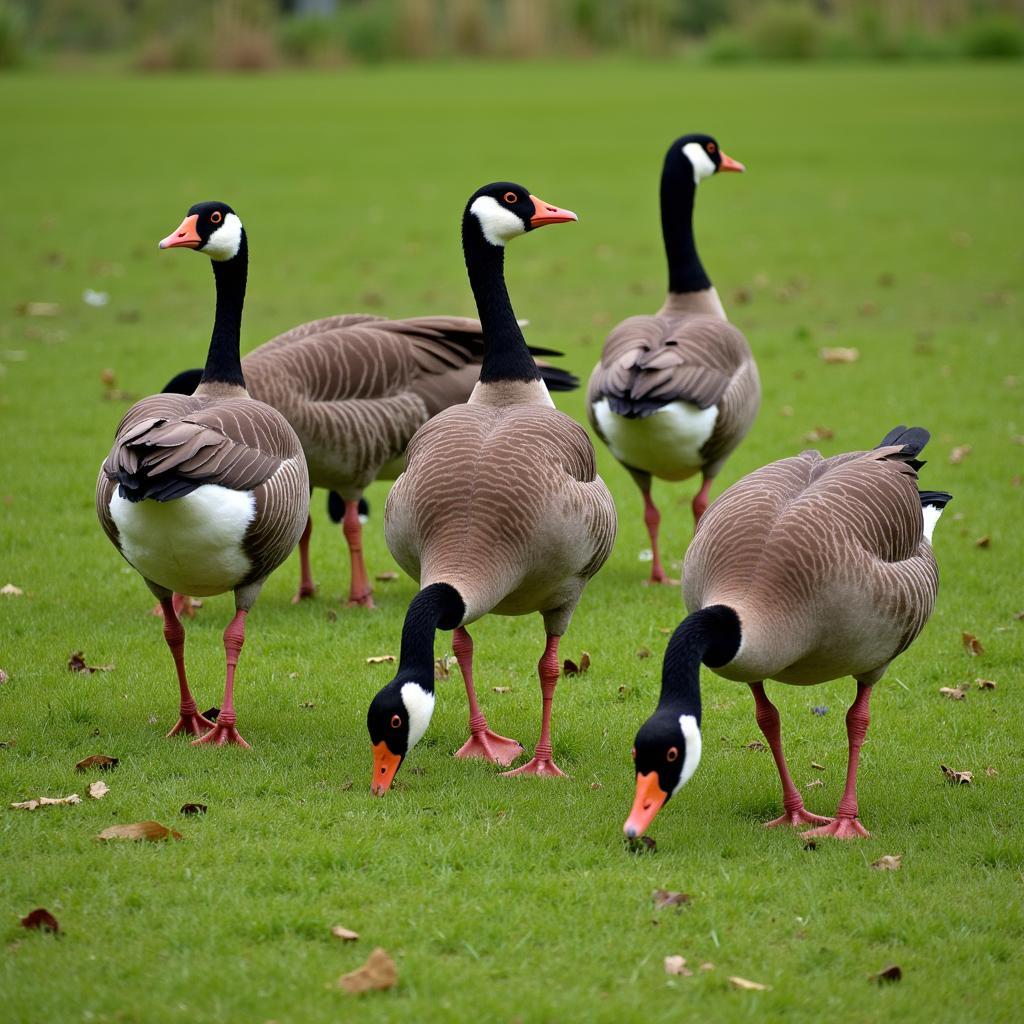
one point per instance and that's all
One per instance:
(728, 46)
(993, 36)
(309, 39)
(368, 31)
(468, 27)
(417, 23)
(785, 31)
(172, 51)
(12, 36)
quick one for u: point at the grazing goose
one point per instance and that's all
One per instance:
(806, 570)
(675, 393)
(208, 492)
(500, 509)
(356, 388)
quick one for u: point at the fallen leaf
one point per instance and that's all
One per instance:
(959, 453)
(818, 767)
(25, 805)
(386, 577)
(379, 972)
(748, 986)
(570, 668)
(293, 675)
(10, 590)
(839, 355)
(819, 434)
(643, 652)
(41, 920)
(77, 663)
(890, 862)
(345, 934)
(990, 771)
(972, 645)
(193, 809)
(677, 965)
(890, 973)
(39, 309)
(957, 778)
(983, 542)
(151, 831)
(380, 659)
(502, 689)
(755, 745)
(441, 668)
(596, 785)
(665, 630)
(954, 692)
(101, 761)
(98, 790)
(985, 684)
(706, 966)
(46, 801)
(813, 783)
(1019, 615)
(666, 898)
(3, 677)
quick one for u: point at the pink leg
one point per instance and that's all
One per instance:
(224, 731)
(700, 501)
(482, 742)
(190, 721)
(652, 517)
(845, 825)
(360, 592)
(307, 588)
(542, 763)
(767, 715)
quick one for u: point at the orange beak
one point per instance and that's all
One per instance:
(545, 213)
(385, 764)
(186, 235)
(650, 798)
(726, 163)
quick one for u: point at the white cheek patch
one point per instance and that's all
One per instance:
(498, 223)
(691, 734)
(419, 706)
(225, 242)
(703, 165)
(931, 515)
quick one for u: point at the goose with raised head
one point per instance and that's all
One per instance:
(804, 571)
(675, 393)
(206, 493)
(500, 509)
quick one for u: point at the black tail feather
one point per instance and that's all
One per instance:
(912, 440)
(558, 379)
(938, 499)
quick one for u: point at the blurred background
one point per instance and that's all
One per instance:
(258, 35)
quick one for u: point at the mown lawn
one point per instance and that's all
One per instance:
(881, 210)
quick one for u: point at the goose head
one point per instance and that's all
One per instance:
(503, 210)
(703, 156)
(397, 719)
(212, 228)
(666, 752)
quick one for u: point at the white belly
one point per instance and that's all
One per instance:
(666, 444)
(192, 545)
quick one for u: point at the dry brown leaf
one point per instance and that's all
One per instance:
(755, 745)
(985, 684)
(839, 355)
(597, 785)
(817, 767)
(890, 973)
(959, 453)
(98, 790)
(150, 831)
(386, 577)
(972, 645)
(643, 652)
(101, 761)
(46, 801)
(41, 920)
(193, 809)
(954, 692)
(77, 663)
(990, 771)
(890, 862)
(748, 986)
(570, 668)
(442, 668)
(10, 590)
(345, 934)
(983, 542)
(502, 689)
(39, 309)
(813, 783)
(677, 965)
(379, 972)
(25, 805)
(380, 659)
(3, 677)
(666, 898)
(819, 434)
(957, 778)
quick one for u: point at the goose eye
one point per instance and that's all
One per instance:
(216, 217)
(396, 721)
(511, 197)
(673, 754)
(633, 753)
(711, 147)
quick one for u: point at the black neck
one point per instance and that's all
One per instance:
(223, 362)
(506, 356)
(678, 191)
(712, 636)
(438, 606)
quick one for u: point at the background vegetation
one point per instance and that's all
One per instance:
(880, 211)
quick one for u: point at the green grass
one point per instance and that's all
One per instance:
(881, 210)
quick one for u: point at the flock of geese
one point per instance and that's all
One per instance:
(805, 570)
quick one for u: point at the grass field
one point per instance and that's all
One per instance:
(881, 210)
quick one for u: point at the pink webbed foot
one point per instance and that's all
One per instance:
(490, 746)
(305, 591)
(796, 818)
(364, 600)
(840, 828)
(538, 766)
(222, 734)
(193, 724)
(659, 579)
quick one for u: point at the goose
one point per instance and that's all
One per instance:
(500, 509)
(206, 493)
(806, 570)
(355, 388)
(675, 393)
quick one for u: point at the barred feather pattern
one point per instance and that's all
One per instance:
(503, 502)
(825, 562)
